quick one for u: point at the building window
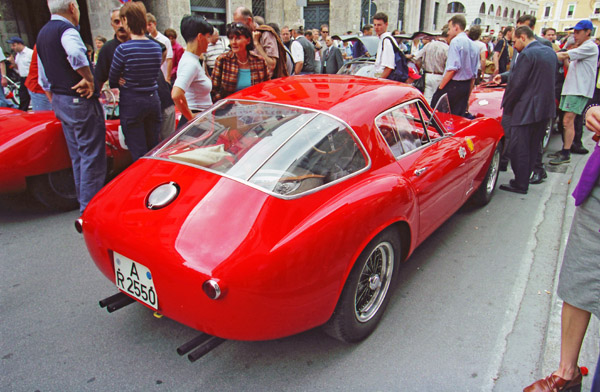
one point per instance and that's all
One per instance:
(547, 11)
(512, 13)
(482, 8)
(491, 10)
(505, 15)
(258, 8)
(596, 9)
(570, 11)
(518, 14)
(455, 7)
(499, 11)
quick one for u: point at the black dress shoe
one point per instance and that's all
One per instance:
(538, 177)
(579, 150)
(512, 188)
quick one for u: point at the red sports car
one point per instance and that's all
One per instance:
(289, 205)
(34, 157)
(486, 101)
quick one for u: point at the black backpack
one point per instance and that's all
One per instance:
(400, 73)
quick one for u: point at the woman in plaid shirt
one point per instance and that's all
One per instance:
(238, 68)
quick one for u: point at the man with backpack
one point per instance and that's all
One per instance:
(461, 68)
(385, 60)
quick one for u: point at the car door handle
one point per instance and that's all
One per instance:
(418, 172)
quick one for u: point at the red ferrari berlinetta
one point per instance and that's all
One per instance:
(289, 205)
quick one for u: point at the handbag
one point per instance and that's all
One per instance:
(419, 84)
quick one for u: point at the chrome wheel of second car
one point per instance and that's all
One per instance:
(374, 282)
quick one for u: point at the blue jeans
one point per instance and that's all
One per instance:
(140, 116)
(39, 102)
(83, 125)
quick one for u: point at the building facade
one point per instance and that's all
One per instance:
(492, 16)
(25, 18)
(562, 14)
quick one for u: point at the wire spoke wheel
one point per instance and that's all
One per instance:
(374, 282)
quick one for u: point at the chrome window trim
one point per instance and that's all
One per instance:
(444, 134)
(357, 140)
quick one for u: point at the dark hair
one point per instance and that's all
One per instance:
(171, 33)
(524, 30)
(135, 13)
(474, 33)
(308, 34)
(459, 20)
(506, 30)
(366, 27)
(546, 29)
(275, 27)
(192, 25)
(527, 19)
(240, 30)
(381, 16)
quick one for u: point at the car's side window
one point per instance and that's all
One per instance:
(433, 130)
(402, 129)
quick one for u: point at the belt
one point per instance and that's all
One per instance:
(434, 73)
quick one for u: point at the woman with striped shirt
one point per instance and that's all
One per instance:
(134, 70)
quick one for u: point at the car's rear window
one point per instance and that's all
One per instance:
(281, 149)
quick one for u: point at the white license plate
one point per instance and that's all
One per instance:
(135, 279)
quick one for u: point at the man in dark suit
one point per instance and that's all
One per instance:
(529, 100)
(332, 58)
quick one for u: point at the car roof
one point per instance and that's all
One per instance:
(356, 100)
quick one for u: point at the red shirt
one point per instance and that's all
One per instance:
(31, 82)
(177, 53)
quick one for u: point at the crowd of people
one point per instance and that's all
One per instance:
(156, 75)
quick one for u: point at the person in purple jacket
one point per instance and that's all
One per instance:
(579, 280)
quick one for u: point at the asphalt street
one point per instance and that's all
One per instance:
(474, 310)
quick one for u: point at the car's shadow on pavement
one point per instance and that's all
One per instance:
(22, 207)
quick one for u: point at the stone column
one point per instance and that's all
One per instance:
(168, 13)
(99, 14)
(344, 15)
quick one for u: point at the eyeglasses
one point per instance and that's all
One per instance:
(237, 25)
(324, 31)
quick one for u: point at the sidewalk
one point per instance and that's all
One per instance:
(591, 343)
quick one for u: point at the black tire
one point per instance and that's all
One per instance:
(355, 317)
(484, 193)
(55, 190)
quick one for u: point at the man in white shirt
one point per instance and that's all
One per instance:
(302, 53)
(385, 61)
(167, 66)
(22, 61)
(579, 84)
(214, 50)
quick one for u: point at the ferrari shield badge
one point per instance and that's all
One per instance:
(462, 152)
(470, 145)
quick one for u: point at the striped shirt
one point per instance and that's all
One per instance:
(138, 62)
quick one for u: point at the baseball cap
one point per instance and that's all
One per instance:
(15, 40)
(582, 25)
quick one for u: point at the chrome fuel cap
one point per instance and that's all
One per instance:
(162, 195)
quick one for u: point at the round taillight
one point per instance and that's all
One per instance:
(79, 225)
(212, 289)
